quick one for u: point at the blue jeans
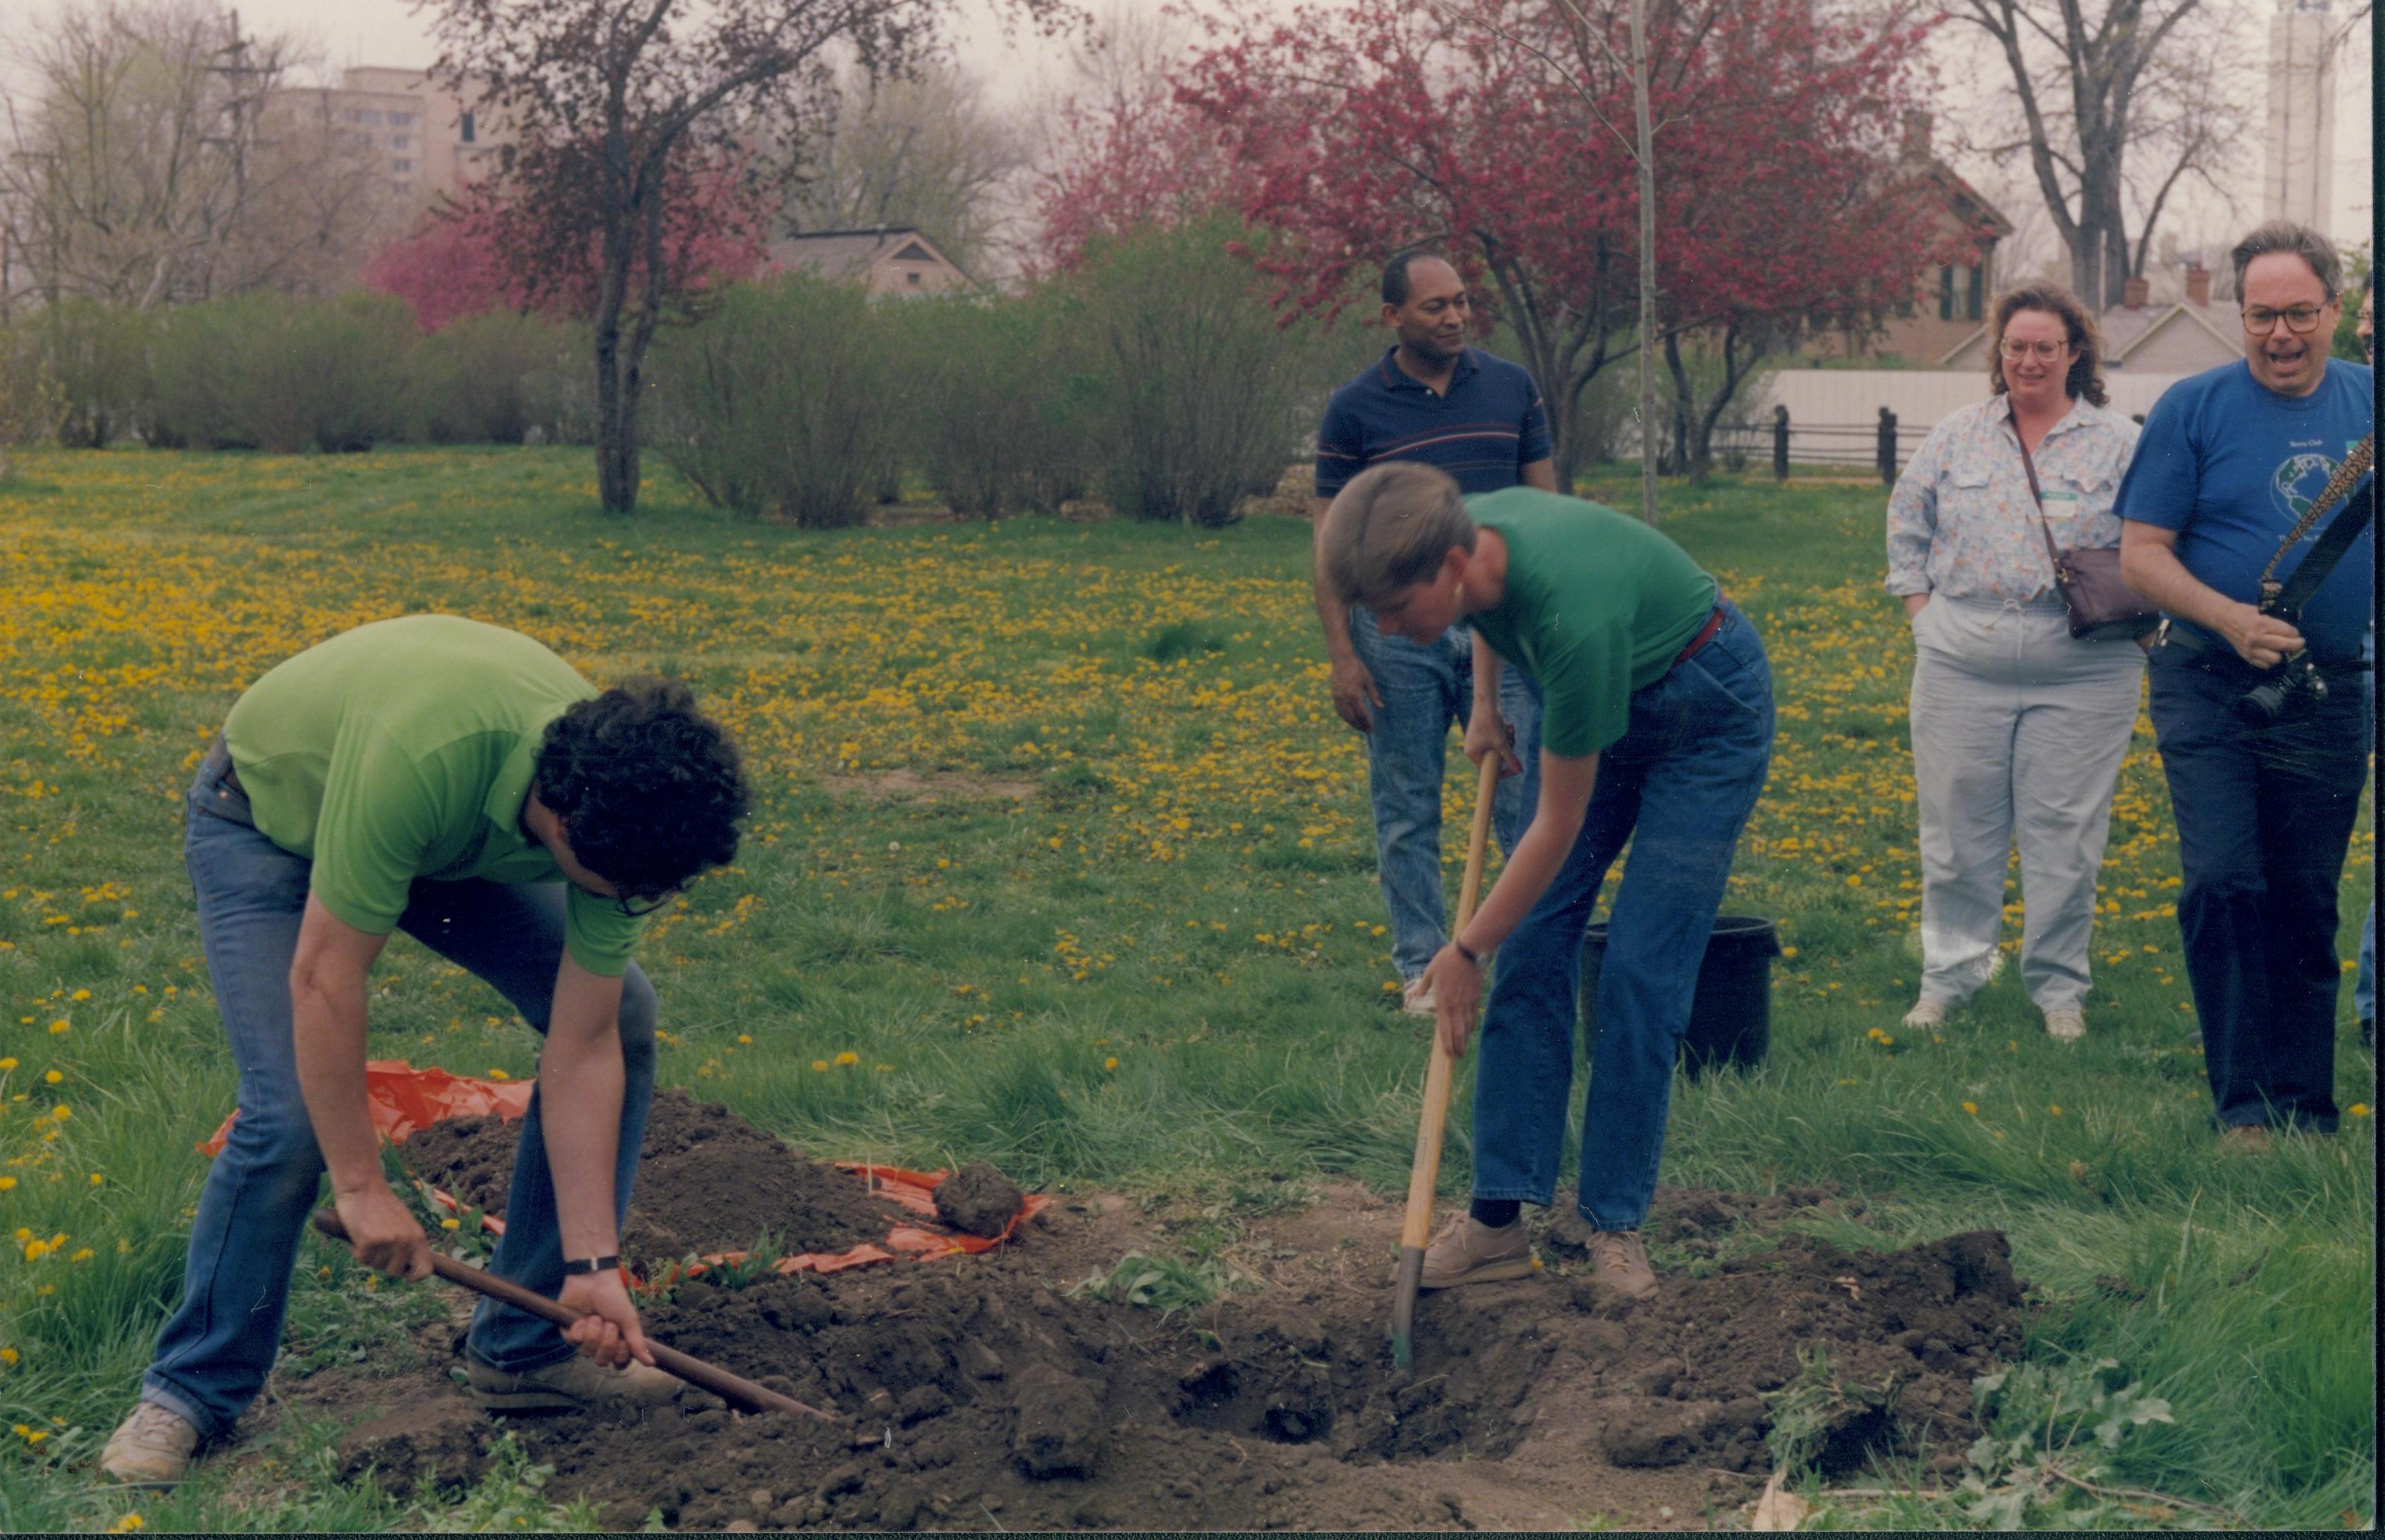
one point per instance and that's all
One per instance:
(1424, 689)
(2263, 820)
(2364, 983)
(1678, 785)
(216, 1351)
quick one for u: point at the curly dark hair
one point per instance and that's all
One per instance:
(650, 789)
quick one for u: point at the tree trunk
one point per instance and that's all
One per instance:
(1647, 175)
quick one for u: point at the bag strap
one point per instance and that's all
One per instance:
(2314, 568)
(2037, 495)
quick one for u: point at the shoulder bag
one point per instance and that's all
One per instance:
(2101, 604)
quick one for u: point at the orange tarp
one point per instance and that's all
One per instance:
(404, 1098)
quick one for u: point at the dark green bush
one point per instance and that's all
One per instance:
(266, 371)
(1002, 416)
(1204, 398)
(92, 360)
(785, 400)
(492, 378)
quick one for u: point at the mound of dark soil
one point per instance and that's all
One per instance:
(979, 1397)
(708, 1182)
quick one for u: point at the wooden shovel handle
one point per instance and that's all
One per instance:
(1425, 1175)
(735, 1389)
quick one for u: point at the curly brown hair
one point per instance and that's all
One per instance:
(2086, 376)
(650, 789)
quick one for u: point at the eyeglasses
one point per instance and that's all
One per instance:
(2013, 347)
(638, 908)
(2261, 320)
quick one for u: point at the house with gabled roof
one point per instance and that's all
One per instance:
(2140, 336)
(889, 259)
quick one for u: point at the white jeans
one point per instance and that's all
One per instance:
(2017, 730)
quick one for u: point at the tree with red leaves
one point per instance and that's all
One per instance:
(619, 112)
(486, 251)
(1498, 130)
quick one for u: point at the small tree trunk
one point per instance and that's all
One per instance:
(1647, 172)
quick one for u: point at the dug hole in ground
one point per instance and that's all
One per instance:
(989, 1392)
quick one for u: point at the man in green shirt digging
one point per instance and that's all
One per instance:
(462, 783)
(1656, 728)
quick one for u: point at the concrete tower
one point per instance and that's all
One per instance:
(2298, 163)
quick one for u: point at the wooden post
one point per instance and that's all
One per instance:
(1780, 443)
(1886, 447)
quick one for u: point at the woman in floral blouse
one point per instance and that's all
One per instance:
(2018, 731)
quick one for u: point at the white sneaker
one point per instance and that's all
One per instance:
(2066, 1026)
(1925, 1016)
(1415, 997)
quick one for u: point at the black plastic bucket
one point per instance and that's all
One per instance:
(1731, 1023)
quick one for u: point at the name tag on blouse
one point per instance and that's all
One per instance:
(2062, 515)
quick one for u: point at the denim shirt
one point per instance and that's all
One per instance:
(1961, 522)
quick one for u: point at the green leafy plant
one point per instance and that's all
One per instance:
(2047, 1457)
(1164, 1284)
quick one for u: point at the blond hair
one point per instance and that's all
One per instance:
(1389, 529)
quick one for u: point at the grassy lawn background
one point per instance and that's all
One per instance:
(1159, 970)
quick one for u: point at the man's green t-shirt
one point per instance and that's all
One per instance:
(405, 749)
(1597, 605)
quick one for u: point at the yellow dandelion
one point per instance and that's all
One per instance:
(96, 1179)
(1971, 1107)
(499, 1074)
(7, 1183)
(743, 1039)
(451, 1224)
(58, 1027)
(51, 1077)
(1110, 1063)
(819, 1064)
(848, 1058)
(7, 1064)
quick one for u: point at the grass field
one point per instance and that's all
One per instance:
(1134, 943)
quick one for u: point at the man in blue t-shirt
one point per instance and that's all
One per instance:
(1430, 398)
(2228, 461)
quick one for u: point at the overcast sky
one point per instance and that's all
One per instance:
(389, 32)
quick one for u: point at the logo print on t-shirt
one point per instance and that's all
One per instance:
(2298, 480)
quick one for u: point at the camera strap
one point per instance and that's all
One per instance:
(2288, 598)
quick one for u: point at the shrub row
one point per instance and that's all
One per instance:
(265, 372)
(1154, 376)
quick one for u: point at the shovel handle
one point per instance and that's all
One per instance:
(1425, 1175)
(735, 1389)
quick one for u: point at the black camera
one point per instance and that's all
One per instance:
(2293, 692)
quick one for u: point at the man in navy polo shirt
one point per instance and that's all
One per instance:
(2228, 461)
(1431, 399)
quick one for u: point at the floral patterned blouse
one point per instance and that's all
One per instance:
(1961, 522)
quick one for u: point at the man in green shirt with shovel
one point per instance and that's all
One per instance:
(1656, 728)
(462, 783)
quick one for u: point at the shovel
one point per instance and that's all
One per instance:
(739, 1392)
(1426, 1173)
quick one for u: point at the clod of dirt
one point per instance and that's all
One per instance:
(978, 1201)
(1059, 1431)
(440, 1443)
(708, 1182)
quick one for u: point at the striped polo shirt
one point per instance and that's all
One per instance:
(1489, 426)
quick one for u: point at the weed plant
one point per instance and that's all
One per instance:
(1114, 926)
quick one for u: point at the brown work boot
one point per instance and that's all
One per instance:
(576, 1384)
(1618, 1261)
(1472, 1252)
(2243, 1138)
(152, 1447)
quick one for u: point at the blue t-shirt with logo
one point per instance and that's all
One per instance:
(2230, 465)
